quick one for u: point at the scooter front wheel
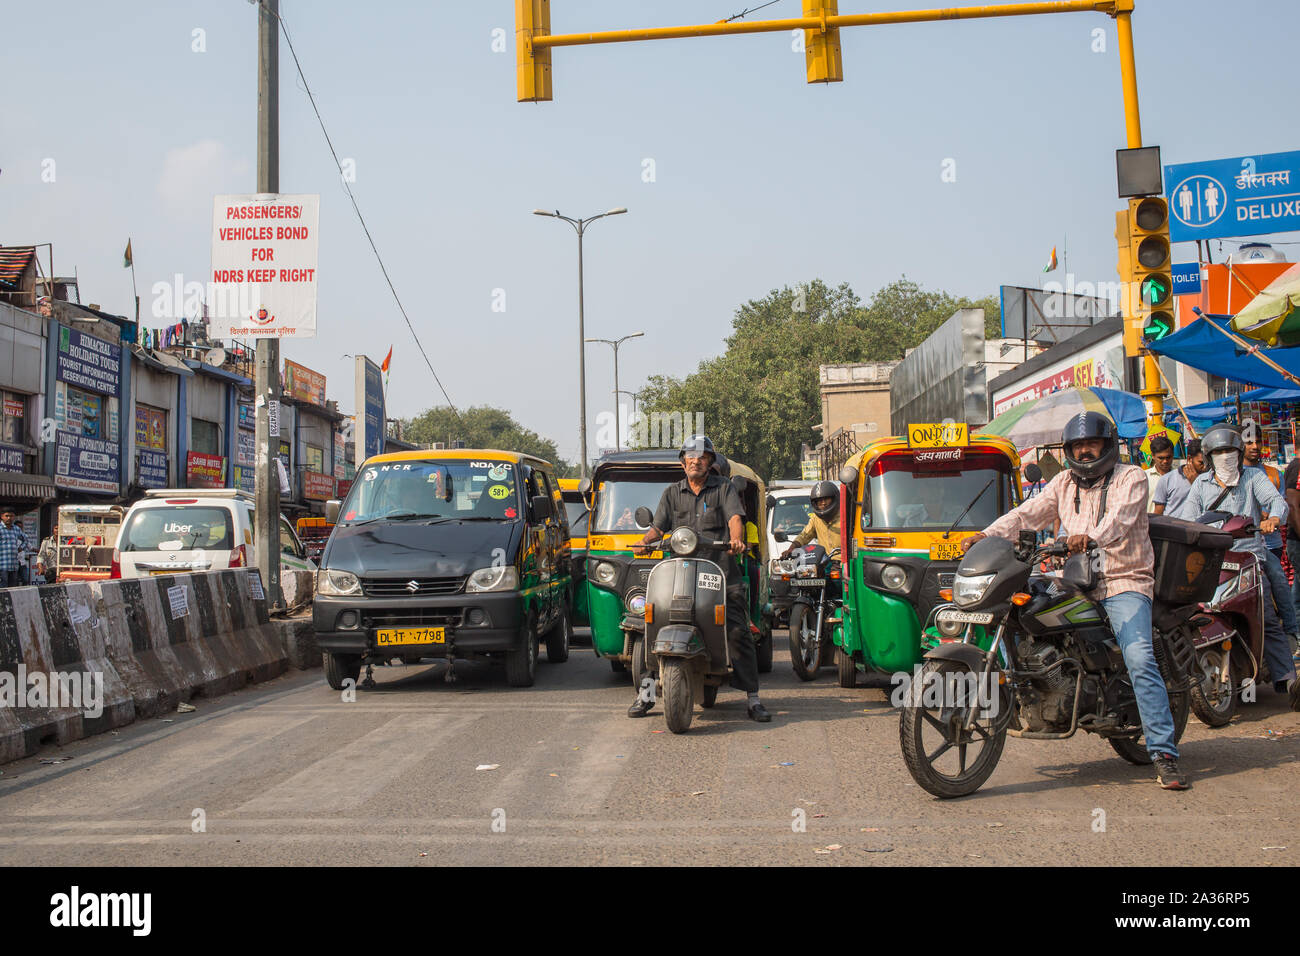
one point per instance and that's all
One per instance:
(1215, 686)
(679, 700)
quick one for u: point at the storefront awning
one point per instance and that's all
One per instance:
(23, 487)
(1211, 351)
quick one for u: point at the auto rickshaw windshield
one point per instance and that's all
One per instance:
(620, 497)
(902, 494)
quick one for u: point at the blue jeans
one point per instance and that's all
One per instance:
(1277, 648)
(1129, 614)
(1281, 592)
(1293, 552)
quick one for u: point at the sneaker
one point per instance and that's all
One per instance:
(759, 713)
(1167, 773)
(640, 708)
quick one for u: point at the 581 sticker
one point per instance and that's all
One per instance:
(498, 492)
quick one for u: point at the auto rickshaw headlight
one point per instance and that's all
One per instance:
(635, 601)
(970, 590)
(893, 577)
(605, 574)
(683, 541)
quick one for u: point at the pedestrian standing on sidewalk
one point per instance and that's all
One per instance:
(1162, 463)
(1172, 488)
(12, 542)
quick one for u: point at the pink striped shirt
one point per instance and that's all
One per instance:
(1122, 533)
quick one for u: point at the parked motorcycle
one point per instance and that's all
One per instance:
(1063, 671)
(814, 578)
(1229, 639)
(686, 626)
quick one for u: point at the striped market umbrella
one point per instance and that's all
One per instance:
(1040, 421)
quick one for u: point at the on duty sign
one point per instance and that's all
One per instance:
(264, 266)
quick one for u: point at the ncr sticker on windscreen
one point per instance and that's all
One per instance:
(709, 582)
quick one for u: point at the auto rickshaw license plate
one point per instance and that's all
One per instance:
(946, 551)
(400, 636)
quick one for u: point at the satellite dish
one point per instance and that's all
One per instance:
(215, 357)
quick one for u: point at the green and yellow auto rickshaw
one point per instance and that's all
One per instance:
(908, 503)
(575, 509)
(616, 578)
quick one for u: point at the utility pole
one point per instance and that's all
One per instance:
(267, 387)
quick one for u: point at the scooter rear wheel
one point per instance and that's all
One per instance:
(679, 701)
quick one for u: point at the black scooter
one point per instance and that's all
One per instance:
(686, 626)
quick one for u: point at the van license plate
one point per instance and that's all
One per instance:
(965, 617)
(401, 636)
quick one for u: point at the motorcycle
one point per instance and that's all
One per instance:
(813, 574)
(1063, 671)
(1229, 640)
(686, 627)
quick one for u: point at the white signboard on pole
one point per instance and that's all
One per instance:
(264, 266)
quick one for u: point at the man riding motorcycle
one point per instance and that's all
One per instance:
(1102, 502)
(1238, 490)
(711, 506)
(824, 522)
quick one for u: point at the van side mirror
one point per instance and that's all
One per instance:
(332, 510)
(543, 507)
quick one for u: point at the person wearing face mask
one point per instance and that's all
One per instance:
(1229, 487)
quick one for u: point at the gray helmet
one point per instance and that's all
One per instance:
(1091, 425)
(697, 445)
(825, 489)
(1223, 438)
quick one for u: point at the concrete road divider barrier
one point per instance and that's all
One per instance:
(133, 648)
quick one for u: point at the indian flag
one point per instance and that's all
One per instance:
(1051, 265)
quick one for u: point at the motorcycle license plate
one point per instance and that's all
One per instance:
(809, 582)
(946, 551)
(965, 617)
(402, 636)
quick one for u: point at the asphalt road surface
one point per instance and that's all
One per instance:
(287, 773)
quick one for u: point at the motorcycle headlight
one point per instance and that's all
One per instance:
(605, 574)
(337, 583)
(893, 577)
(970, 590)
(492, 579)
(683, 541)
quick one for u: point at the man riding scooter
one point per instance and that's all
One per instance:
(1229, 487)
(710, 506)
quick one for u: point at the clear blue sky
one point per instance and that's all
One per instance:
(760, 179)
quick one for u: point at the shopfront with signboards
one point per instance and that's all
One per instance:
(87, 402)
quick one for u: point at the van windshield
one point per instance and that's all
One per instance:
(457, 489)
(791, 514)
(178, 528)
(619, 498)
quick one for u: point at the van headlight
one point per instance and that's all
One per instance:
(492, 579)
(970, 590)
(605, 574)
(337, 583)
(893, 577)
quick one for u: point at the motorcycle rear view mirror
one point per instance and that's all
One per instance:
(780, 537)
(644, 517)
(1033, 474)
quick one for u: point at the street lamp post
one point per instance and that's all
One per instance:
(634, 398)
(618, 446)
(580, 226)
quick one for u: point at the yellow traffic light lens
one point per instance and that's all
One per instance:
(1153, 252)
(1152, 215)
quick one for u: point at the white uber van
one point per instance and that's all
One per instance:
(178, 530)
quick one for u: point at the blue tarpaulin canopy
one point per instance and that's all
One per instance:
(1211, 351)
(1217, 410)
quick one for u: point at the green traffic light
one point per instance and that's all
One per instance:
(1155, 290)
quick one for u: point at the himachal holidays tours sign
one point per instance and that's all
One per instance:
(264, 250)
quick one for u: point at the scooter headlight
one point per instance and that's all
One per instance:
(893, 577)
(683, 541)
(970, 590)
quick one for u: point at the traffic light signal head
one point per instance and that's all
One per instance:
(1150, 277)
(532, 66)
(822, 47)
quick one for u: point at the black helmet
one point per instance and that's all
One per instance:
(1091, 425)
(825, 489)
(1223, 438)
(697, 445)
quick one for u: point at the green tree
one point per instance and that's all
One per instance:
(483, 427)
(761, 398)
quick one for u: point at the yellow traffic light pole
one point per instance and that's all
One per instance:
(821, 23)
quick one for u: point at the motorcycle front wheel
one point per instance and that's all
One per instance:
(1214, 693)
(805, 648)
(935, 747)
(679, 700)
